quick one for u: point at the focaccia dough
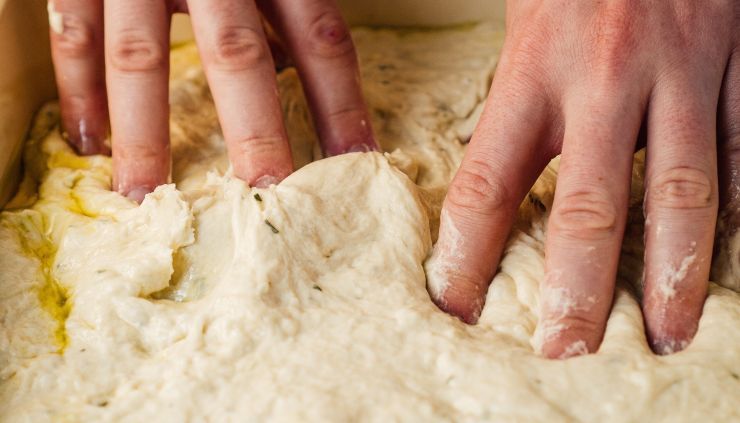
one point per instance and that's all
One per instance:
(307, 300)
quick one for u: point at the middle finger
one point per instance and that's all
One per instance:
(586, 227)
(242, 77)
(137, 62)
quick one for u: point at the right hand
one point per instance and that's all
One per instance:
(112, 55)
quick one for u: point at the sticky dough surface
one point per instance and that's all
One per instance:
(193, 307)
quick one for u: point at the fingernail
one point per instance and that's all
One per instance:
(265, 181)
(668, 346)
(361, 148)
(138, 194)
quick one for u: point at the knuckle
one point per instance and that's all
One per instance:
(329, 37)
(683, 187)
(477, 189)
(258, 145)
(77, 39)
(585, 214)
(239, 48)
(137, 51)
(613, 40)
(581, 322)
(142, 153)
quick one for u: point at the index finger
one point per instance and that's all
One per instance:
(500, 165)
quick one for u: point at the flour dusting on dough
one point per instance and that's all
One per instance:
(190, 308)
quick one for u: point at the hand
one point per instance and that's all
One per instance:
(133, 64)
(580, 78)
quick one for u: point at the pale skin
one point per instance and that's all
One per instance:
(577, 78)
(581, 79)
(112, 63)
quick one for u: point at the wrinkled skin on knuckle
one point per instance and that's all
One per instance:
(142, 153)
(476, 189)
(137, 51)
(682, 188)
(257, 145)
(239, 48)
(77, 40)
(579, 322)
(329, 37)
(589, 214)
(613, 40)
(528, 50)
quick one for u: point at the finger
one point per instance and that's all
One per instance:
(242, 77)
(320, 43)
(729, 145)
(501, 163)
(76, 28)
(137, 61)
(586, 227)
(680, 208)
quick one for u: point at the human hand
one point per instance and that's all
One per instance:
(581, 78)
(132, 62)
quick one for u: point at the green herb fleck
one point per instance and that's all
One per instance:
(99, 271)
(318, 288)
(272, 227)
(537, 203)
(258, 197)
(735, 375)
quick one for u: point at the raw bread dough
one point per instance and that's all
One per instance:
(307, 300)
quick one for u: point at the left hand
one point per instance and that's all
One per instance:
(579, 78)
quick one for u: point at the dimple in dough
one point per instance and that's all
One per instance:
(307, 300)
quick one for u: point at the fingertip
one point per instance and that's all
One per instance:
(464, 307)
(263, 170)
(265, 181)
(455, 296)
(564, 349)
(561, 339)
(668, 346)
(666, 332)
(364, 146)
(87, 136)
(348, 133)
(137, 194)
(674, 294)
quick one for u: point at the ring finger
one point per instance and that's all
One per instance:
(680, 208)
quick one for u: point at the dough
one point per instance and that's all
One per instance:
(307, 300)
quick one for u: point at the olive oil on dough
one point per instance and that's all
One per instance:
(307, 300)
